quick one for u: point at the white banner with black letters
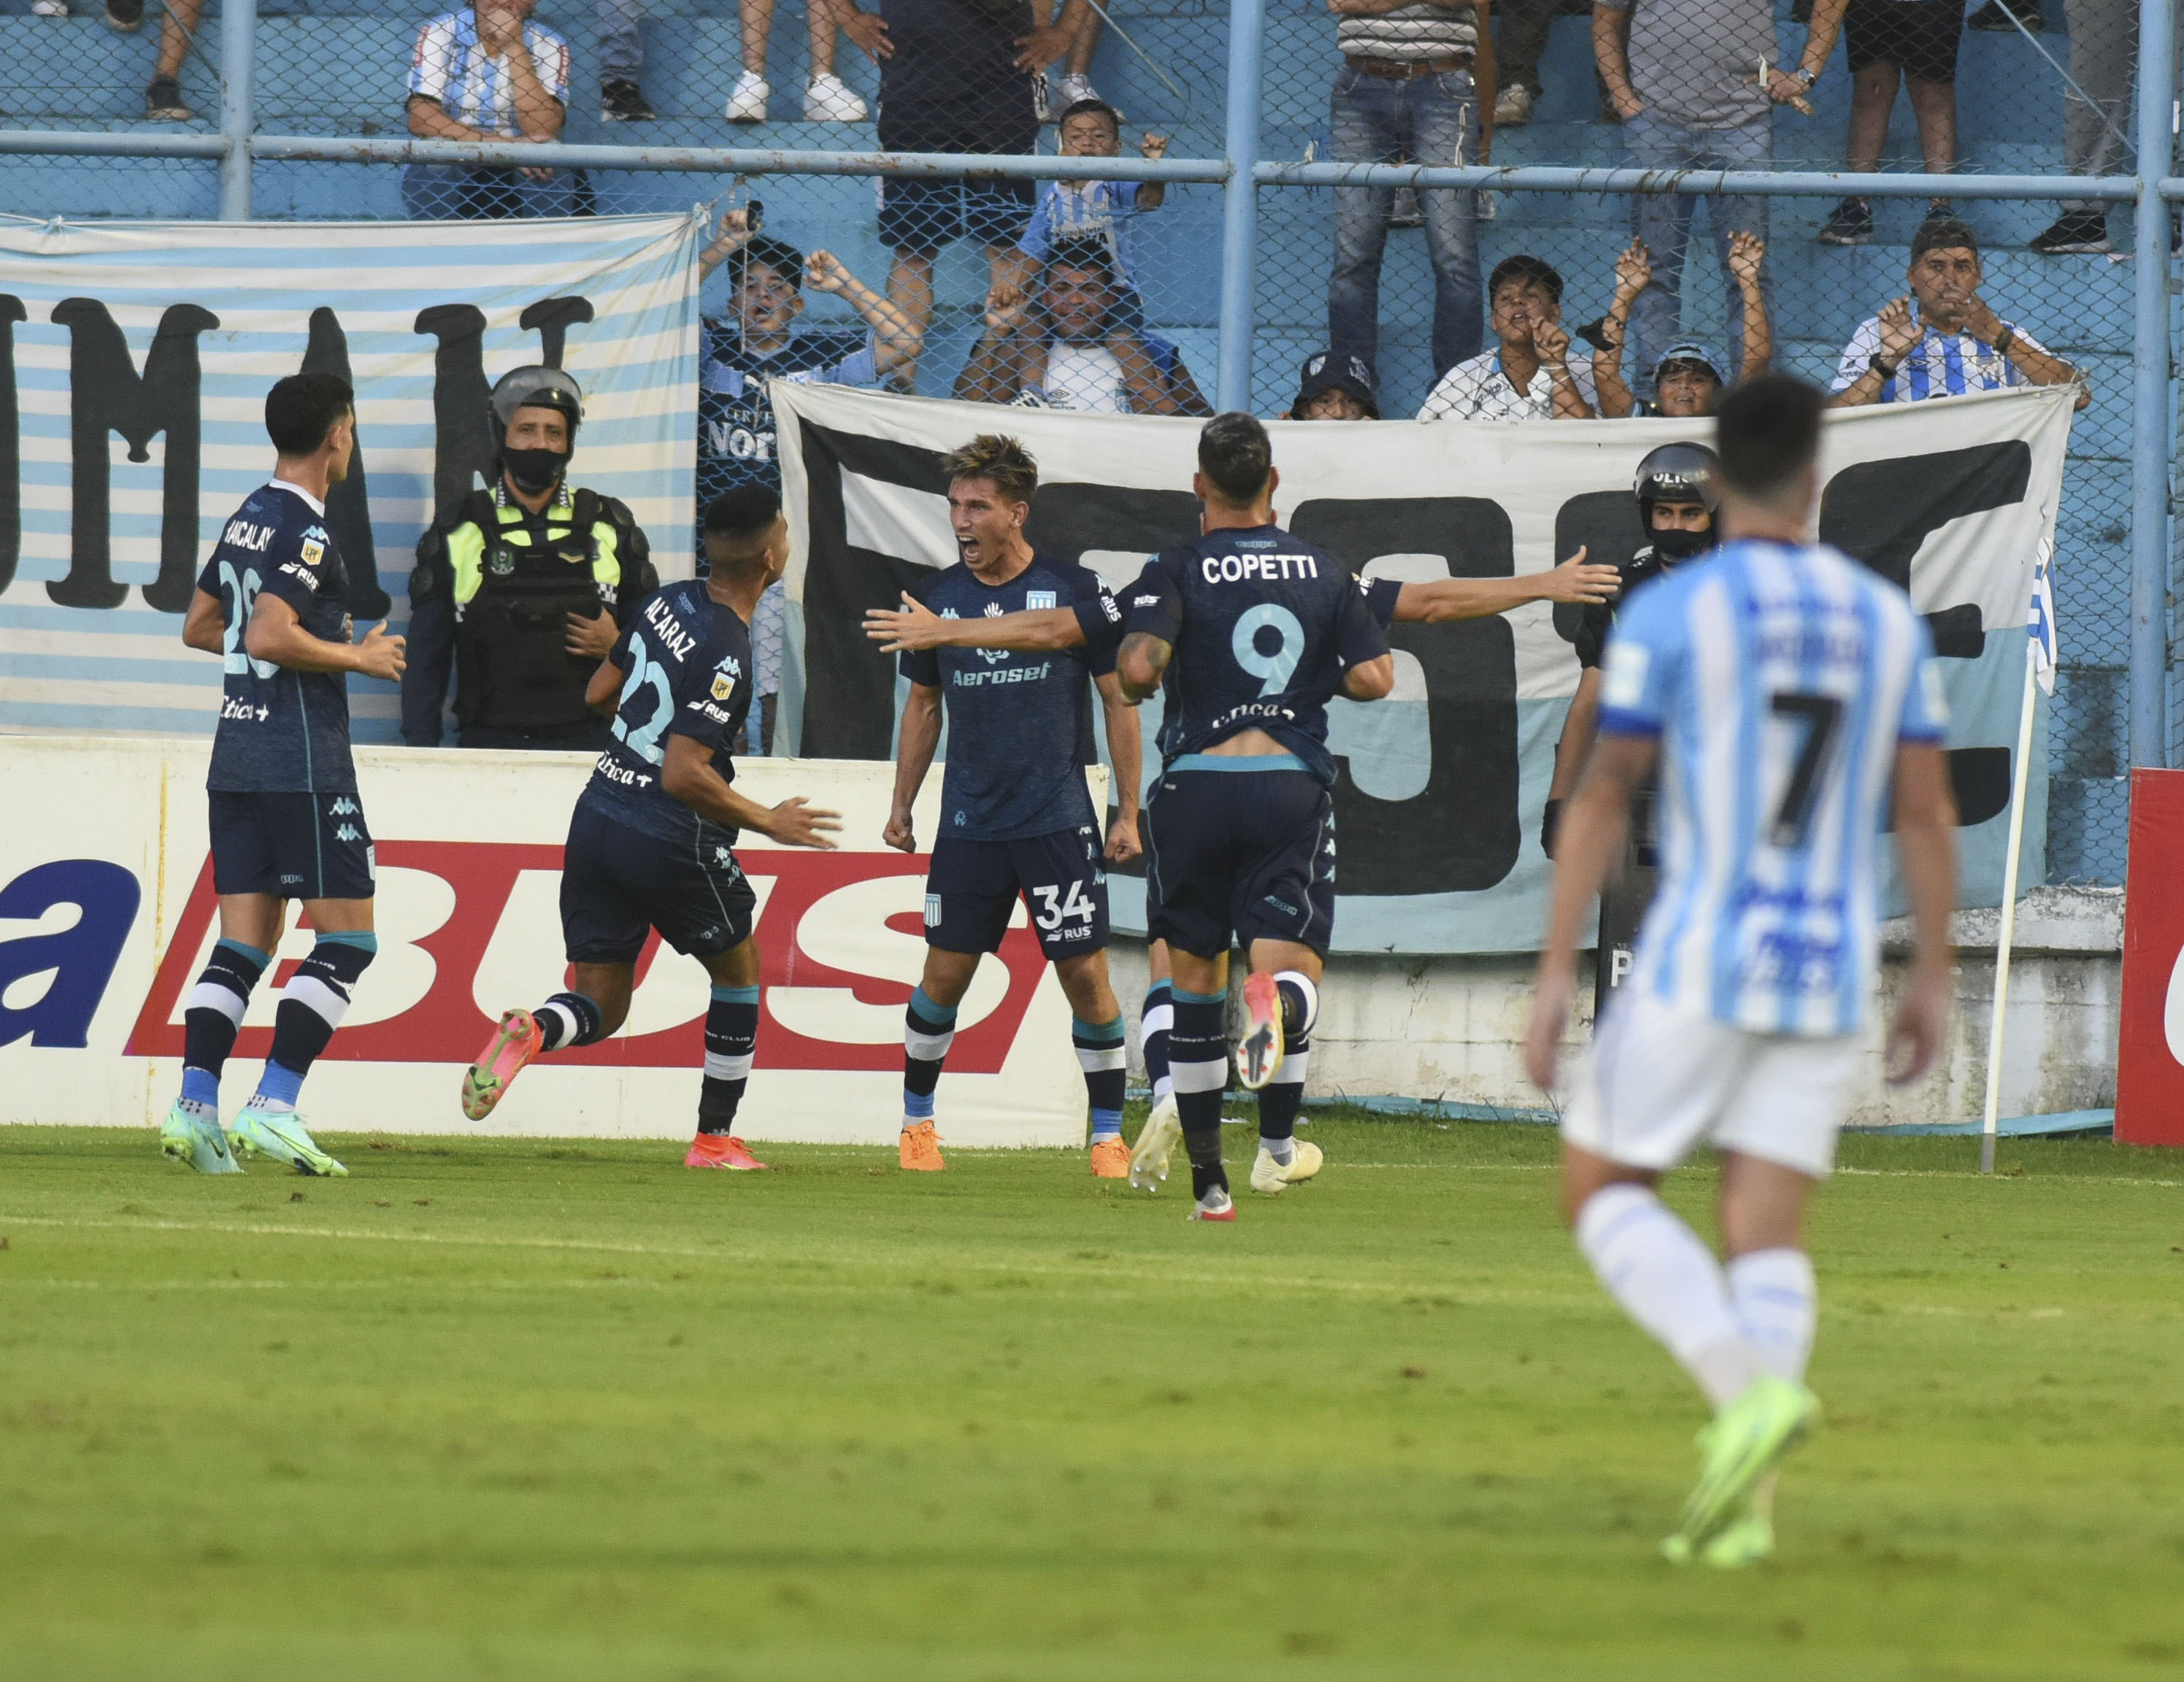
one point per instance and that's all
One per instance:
(1442, 787)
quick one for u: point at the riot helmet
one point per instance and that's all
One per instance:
(535, 470)
(1679, 473)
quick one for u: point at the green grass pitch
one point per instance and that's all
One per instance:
(550, 1410)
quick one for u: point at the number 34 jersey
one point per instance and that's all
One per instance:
(280, 731)
(1263, 626)
(1778, 681)
(686, 665)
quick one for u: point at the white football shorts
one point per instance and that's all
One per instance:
(1659, 1082)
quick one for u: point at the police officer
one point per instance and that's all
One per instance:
(1678, 497)
(522, 588)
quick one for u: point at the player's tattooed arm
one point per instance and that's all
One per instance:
(1126, 759)
(202, 627)
(1445, 600)
(688, 775)
(913, 758)
(276, 634)
(1593, 829)
(915, 626)
(1140, 663)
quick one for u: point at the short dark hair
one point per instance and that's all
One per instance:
(1083, 254)
(998, 457)
(777, 254)
(1523, 266)
(1942, 233)
(1767, 431)
(1091, 108)
(301, 410)
(743, 515)
(1235, 452)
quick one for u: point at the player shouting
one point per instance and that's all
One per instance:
(281, 795)
(1015, 815)
(913, 626)
(650, 841)
(1791, 698)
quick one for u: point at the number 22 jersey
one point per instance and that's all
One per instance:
(686, 662)
(1264, 626)
(1779, 681)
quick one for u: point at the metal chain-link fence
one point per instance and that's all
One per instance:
(1107, 294)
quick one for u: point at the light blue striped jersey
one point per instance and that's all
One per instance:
(450, 66)
(1778, 680)
(1940, 364)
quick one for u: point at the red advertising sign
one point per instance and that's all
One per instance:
(2150, 1060)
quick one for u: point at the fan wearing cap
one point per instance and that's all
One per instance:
(1335, 388)
(1689, 376)
(520, 590)
(1678, 495)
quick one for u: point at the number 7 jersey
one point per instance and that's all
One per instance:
(1779, 681)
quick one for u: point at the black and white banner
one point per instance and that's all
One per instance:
(1441, 788)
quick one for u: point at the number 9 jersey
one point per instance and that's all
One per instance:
(1779, 681)
(1263, 626)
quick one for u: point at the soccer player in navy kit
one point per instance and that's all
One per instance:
(1016, 818)
(651, 841)
(281, 793)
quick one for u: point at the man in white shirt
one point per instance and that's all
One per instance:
(486, 73)
(1529, 375)
(1952, 343)
(1069, 340)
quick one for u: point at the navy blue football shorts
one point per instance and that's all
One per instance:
(1246, 854)
(972, 887)
(294, 846)
(619, 883)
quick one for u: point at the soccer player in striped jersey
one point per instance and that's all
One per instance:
(1790, 700)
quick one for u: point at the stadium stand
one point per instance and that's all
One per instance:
(339, 67)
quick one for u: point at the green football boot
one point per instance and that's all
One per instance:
(282, 1135)
(1738, 1448)
(1747, 1539)
(196, 1144)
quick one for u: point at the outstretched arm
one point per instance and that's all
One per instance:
(689, 776)
(914, 626)
(1576, 580)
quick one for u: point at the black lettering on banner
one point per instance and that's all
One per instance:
(1606, 524)
(552, 317)
(1881, 512)
(1462, 833)
(106, 395)
(11, 442)
(848, 696)
(463, 444)
(349, 505)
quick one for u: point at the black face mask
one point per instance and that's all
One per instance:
(1675, 546)
(534, 471)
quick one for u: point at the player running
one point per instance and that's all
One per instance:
(1016, 818)
(1390, 601)
(649, 842)
(1790, 697)
(280, 796)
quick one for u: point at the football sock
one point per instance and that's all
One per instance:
(1776, 1307)
(1300, 1006)
(1101, 1054)
(567, 1019)
(1199, 1063)
(731, 1037)
(928, 1030)
(1670, 1283)
(1155, 1024)
(1279, 1100)
(312, 1006)
(212, 1019)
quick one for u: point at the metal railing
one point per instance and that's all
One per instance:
(1246, 176)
